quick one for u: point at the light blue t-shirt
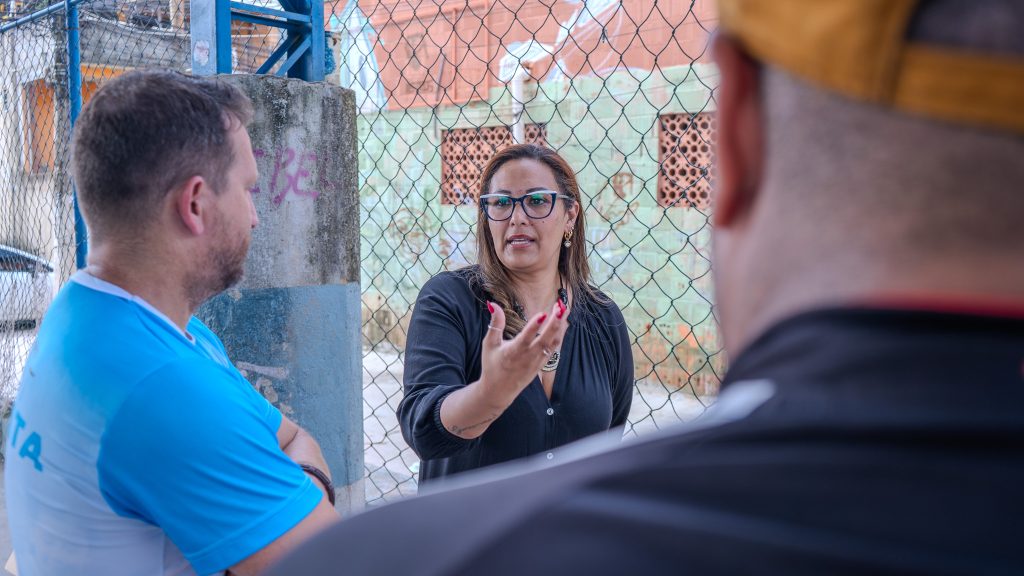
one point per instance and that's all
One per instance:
(135, 448)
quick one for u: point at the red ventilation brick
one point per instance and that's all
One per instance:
(465, 152)
(684, 154)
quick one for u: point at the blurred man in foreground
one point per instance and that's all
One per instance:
(869, 263)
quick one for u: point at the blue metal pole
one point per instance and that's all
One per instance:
(75, 96)
(310, 66)
(318, 37)
(222, 15)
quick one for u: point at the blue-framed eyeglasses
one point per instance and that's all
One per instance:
(535, 205)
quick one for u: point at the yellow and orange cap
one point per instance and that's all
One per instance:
(860, 48)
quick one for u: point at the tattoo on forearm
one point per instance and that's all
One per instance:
(457, 430)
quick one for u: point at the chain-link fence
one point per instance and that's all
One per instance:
(35, 204)
(622, 89)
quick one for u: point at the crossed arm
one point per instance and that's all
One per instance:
(298, 445)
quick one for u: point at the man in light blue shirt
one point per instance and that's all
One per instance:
(135, 446)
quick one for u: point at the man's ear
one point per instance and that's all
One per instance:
(739, 141)
(191, 203)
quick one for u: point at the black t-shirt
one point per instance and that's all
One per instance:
(844, 442)
(592, 390)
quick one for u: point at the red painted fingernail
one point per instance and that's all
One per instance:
(490, 308)
(542, 318)
(560, 313)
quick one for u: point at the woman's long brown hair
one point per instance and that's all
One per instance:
(493, 277)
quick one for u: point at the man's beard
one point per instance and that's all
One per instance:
(229, 261)
(222, 268)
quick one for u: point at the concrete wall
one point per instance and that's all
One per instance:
(112, 43)
(292, 326)
(449, 52)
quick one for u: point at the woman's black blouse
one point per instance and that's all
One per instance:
(592, 391)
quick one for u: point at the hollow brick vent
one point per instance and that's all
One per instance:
(465, 152)
(684, 154)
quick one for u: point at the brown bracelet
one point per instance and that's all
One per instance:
(319, 475)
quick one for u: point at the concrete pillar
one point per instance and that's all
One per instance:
(293, 324)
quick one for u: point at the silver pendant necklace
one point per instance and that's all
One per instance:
(552, 364)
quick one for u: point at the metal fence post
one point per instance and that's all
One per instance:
(210, 27)
(310, 66)
(75, 97)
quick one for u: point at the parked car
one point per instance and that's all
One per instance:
(27, 285)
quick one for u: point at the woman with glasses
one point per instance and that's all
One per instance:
(519, 354)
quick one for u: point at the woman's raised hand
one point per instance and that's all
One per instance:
(508, 366)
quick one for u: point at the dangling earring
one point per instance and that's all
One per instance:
(568, 237)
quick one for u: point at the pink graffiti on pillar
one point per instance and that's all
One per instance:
(296, 174)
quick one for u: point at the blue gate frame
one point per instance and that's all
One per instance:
(300, 55)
